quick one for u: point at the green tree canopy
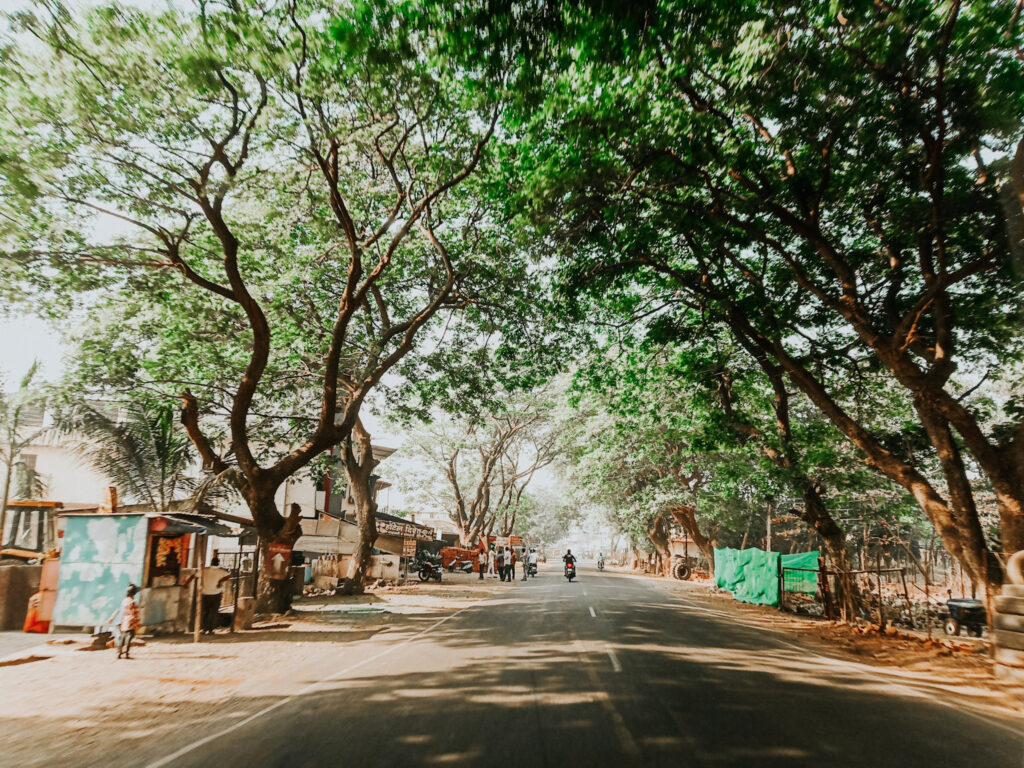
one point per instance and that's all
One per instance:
(265, 198)
(831, 183)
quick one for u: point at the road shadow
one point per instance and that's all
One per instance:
(531, 678)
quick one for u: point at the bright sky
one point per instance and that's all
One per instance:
(24, 339)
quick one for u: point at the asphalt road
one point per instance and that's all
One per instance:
(607, 671)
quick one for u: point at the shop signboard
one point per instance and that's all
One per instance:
(405, 530)
(408, 547)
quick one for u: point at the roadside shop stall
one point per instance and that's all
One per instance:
(103, 554)
(28, 550)
(329, 544)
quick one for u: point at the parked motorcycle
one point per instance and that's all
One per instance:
(570, 571)
(429, 571)
(426, 566)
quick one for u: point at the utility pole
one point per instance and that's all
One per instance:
(768, 540)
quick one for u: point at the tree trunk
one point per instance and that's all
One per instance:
(467, 536)
(359, 465)
(8, 468)
(657, 532)
(508, 524)
(637, 558)
(817, 517)
(362, 558)
(814, 514)
(1017, 180)
(974, 553)
(937, 509)
(687, 517)
(275, 595)
(877, 456)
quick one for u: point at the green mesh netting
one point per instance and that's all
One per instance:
(752, 575)
(801, 581)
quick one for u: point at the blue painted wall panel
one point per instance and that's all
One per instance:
(101, 556)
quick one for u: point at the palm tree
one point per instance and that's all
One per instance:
(16, 410)
(142, 449)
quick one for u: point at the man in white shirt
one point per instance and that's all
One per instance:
(213, 579)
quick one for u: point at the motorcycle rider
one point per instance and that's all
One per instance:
(567, 558)
(532, 562)
(600, 559)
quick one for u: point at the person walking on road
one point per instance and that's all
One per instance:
(501, 564)
(126, 622)
(492, 562)
(512, 563)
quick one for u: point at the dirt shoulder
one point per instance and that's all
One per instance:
(945, 666)
(61, 701)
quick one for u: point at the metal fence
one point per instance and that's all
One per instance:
(881, 594)
(243, 567)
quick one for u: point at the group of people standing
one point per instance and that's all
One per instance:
(500, 562)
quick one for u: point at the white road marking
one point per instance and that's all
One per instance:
(594, 615)
(600, 695)
(614, 659)
(281, 702)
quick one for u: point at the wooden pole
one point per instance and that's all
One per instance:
(826, 598)
(238, 582)
(197, 624)
(781, 574)
(256, 570)
(906, 594)
(878, 579)
(928, 609)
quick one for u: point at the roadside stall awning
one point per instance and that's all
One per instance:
(191, 523)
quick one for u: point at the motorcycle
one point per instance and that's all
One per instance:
(600, 564)
(570, 571)
(426, 567)
(531, 569)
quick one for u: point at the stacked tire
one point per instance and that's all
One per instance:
(1009, 624)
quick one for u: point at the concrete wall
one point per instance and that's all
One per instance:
(17, 584)
(67, 478)
(302, 492)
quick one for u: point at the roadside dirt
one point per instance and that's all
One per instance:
(68, 701)
(961, 665)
